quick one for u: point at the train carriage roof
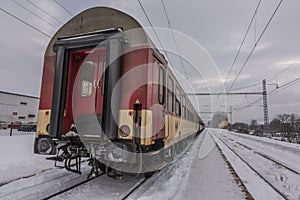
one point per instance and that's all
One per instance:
(101, 18)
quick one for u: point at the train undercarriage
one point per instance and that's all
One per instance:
(71, 153)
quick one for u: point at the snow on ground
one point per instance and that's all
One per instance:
(103, 187)
(41, 185)
(201, 173)
(284, 180)
(17, 157)
(286, 153)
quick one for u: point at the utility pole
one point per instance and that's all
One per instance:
(263, 93)
(265, 104)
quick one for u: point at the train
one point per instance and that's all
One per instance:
(110, 96)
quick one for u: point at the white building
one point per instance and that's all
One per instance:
(18, 107)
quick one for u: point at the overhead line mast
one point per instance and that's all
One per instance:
(263, 93)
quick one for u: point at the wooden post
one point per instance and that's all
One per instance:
(11, 127)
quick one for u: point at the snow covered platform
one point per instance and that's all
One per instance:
(201, 173)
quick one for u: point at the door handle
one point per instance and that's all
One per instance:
(96, 83)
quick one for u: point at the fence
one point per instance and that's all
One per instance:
(27, 130)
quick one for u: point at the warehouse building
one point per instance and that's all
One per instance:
(18, 107)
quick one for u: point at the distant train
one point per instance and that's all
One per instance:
(108, 94)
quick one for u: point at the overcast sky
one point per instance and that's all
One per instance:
(219, 26)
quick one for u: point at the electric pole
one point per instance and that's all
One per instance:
(265, 104)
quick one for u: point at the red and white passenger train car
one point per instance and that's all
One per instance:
(104, 83)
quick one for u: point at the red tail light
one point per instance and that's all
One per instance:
(124, 131)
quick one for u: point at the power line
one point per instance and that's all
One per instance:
(255, 45)
(34, 13)
(244, 38)
(64, 8)
(252, 103)
(247, 86)
(149, 21)
(44, 11)
(273, 92)
(25, 22)
(288, 84)
(166, 13)
(285, 69)
(175, 41)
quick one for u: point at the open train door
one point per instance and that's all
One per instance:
(88, 88)
(95, 60)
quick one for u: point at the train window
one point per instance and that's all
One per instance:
(183, 107)
(86, 78)
(170, 94)
(31, 116)
(177, 102)
(161, 91)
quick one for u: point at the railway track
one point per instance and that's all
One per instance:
(32, 175)
(269, 158)
(22, 177)
(134, 188)
(71, 187)
(36, 187)
(280, 177)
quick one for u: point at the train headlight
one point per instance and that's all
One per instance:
(44, 146)
(124, 131)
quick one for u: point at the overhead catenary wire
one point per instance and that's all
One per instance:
(33, 13)
(149, 21)
(255, 45)
(288, 84)
(44, 11)
(24, 22)
(64, 8)
(243, 41)
(252, 103)
(285, 69)
(175, 41)
(273, 92)
(247, 86)
(241, 45)
(155, 33)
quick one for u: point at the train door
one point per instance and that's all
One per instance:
(170, 108)
(89, 85)
(159, 112)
